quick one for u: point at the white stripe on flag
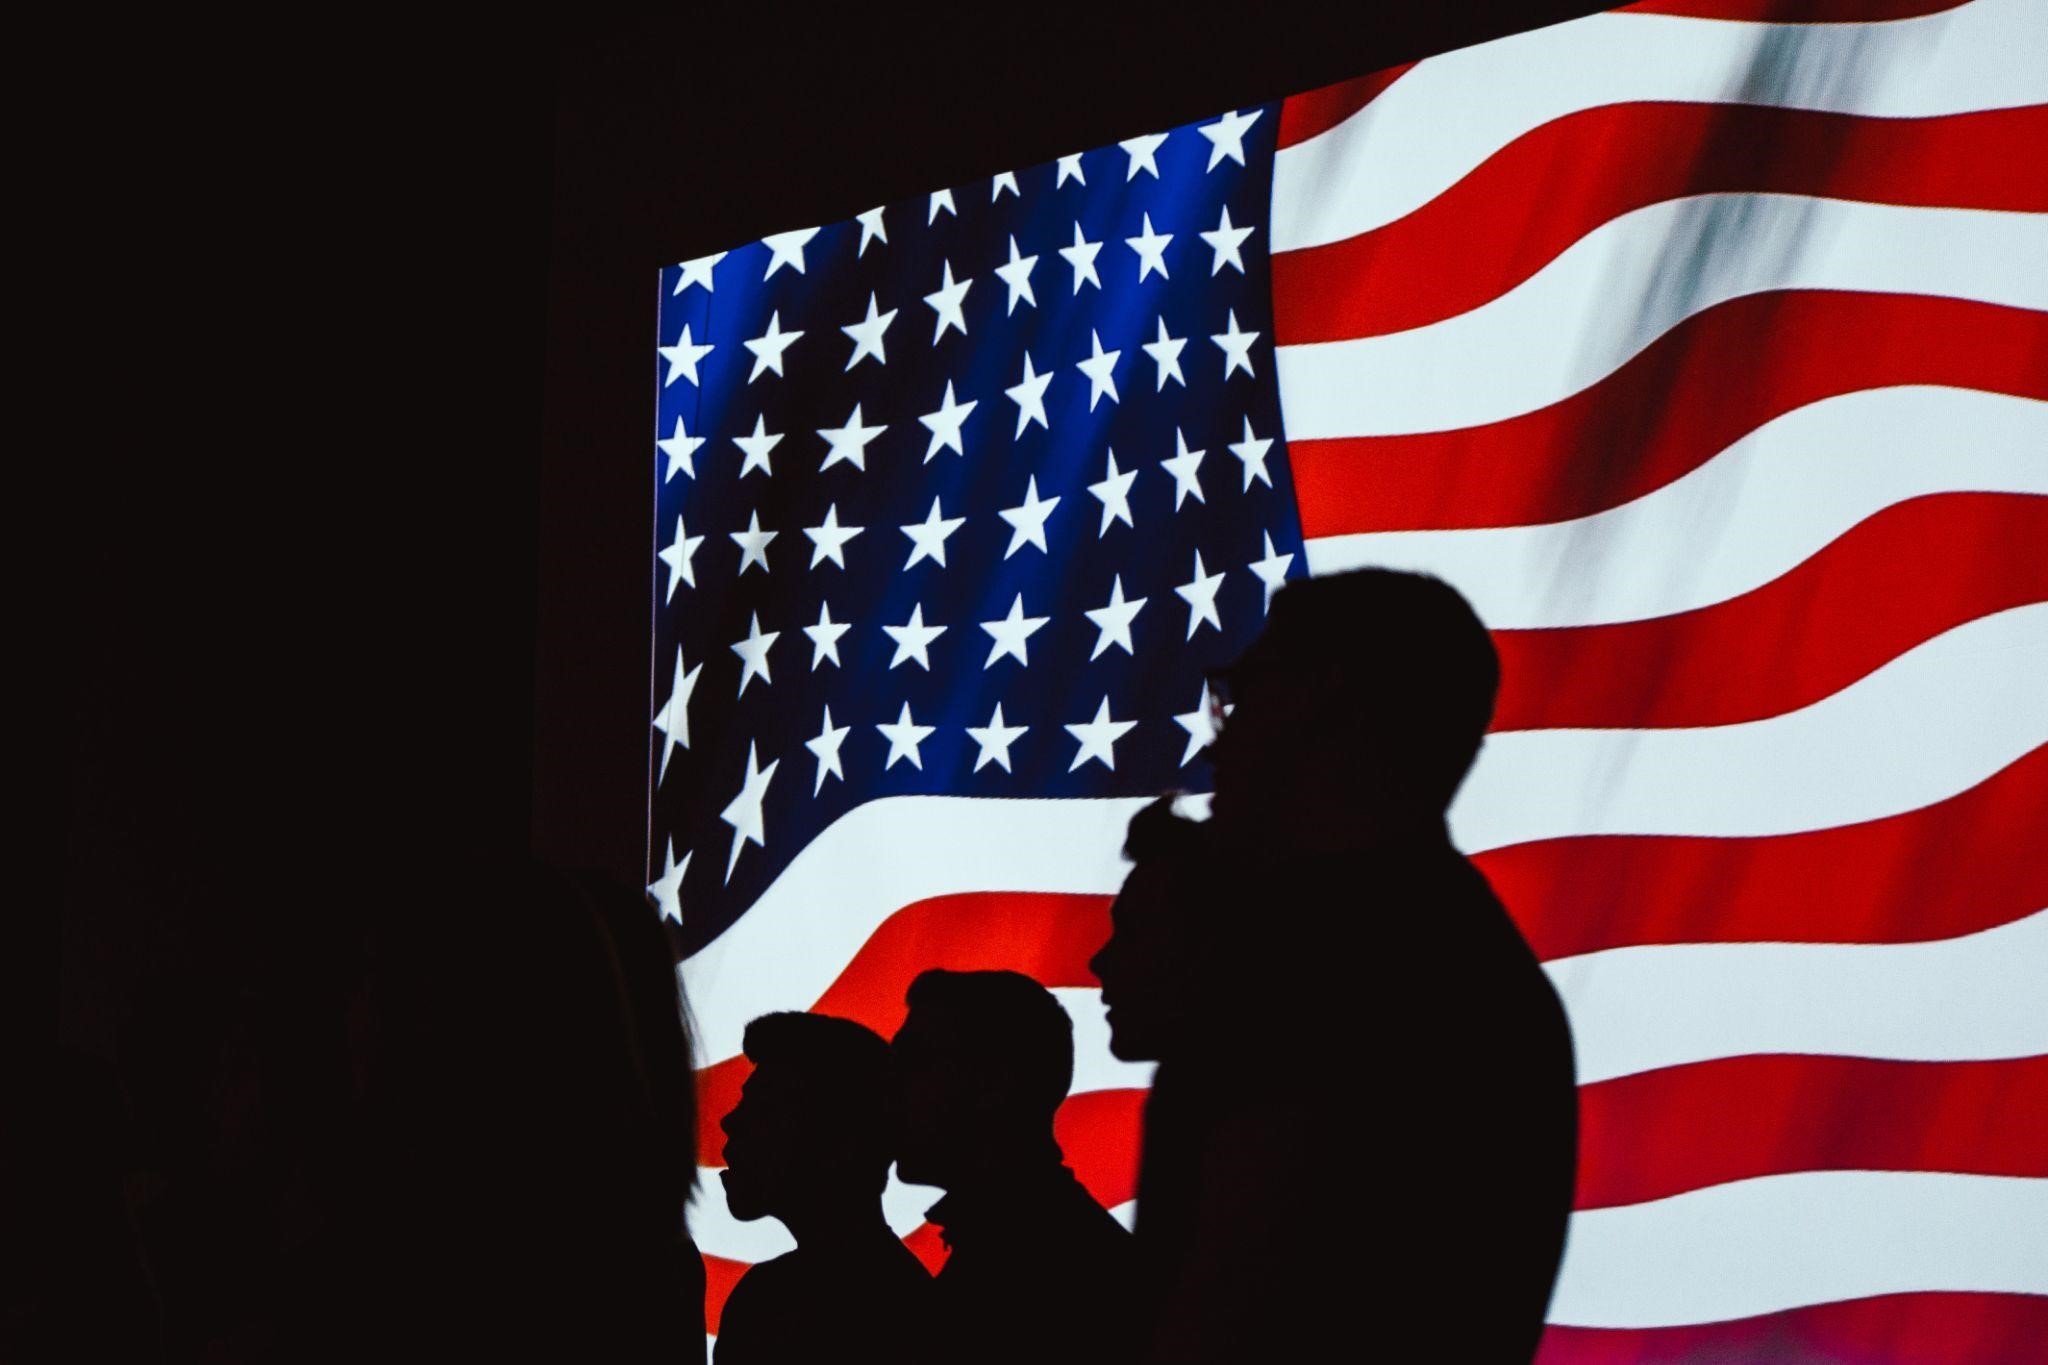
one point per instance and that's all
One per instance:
(871, 862)
(1434, 125)
(1782, 1241)
(1755, 510)
(1933, 722)
(1976, 997)
(1631, 280)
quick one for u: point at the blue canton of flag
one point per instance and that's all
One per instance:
(963, 497)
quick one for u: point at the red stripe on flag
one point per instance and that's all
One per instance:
(720, 1275)
(1955, 867)
(1663, 1132)
(1695, 390)
(1318, 111)
(1796, 11)
(1893, 1329)
(1900, 577)
(1100, 1131)
(1522, 206)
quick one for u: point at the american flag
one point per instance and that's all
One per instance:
(1704, 346)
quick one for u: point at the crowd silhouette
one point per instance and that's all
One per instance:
(1364, 1111)
(1363, 1114)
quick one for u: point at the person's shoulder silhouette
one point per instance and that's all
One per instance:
(1036, 1268)
(810, 1144)
(1394, 1075)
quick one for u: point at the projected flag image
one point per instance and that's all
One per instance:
(1703, 346)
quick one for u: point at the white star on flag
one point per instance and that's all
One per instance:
(681, 448)
(1252, 451)
(1081, 256)
(680, 555)
(1227, 241)
(947, 301)
(1165, 353)
(673, 720)
(787, 249)
(1027, 519)
(769, 346)
(904, 735)
(942, 200)
(825, 748)
(1010, 633)
(1098, 738)
(995, 739)
(928, 537)
(1016, 276)
(1226, 136)
(1069, 169)
(667, 888)
(1200, 595)
(1200, 724)
(744, 812)
(1182, 464)
(1237, 347)
(682, 358)
(850, 442)
(697, 272)
(1100, 369)
(871, 229)
(1114, 493)
(1143, 152)
(1272, 570)
(828, 538)
(824, 637)
(944, 425)
(1151, 249)
(753, 652)
(755, 448)
(867, 335)
(1028, 394)
(753, 543)
(913, 639)
(1113, 620)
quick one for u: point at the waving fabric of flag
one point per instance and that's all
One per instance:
(1704, 346)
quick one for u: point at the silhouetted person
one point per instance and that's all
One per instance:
(1381, 1125)
(810, 1143)
(1037, 1270)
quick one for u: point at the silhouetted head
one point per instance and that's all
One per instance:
(815, 1125)
(1151, 966)
(1358, 710)
(984, 1059)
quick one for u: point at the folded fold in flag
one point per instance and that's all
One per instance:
(1704, 346)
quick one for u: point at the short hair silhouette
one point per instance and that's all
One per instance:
(1385, 667)
(834, 1082)
(1018, 1039)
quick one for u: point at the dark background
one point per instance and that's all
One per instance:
(356, 571)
